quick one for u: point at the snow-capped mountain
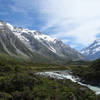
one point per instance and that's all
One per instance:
(44, 45)
(93, 50)
(13, 47)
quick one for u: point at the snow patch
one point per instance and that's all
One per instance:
(37, 35)
(96, 50)
(52, 49)
(10, 26)
(44, 37)
(1, 24)
(92, 49)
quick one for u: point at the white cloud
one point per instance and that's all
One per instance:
(83, 14)
(79, 19)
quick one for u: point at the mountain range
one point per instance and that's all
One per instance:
(92, 51)
(23, 43)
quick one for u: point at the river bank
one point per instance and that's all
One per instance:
(68, 75)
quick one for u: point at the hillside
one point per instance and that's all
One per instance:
(89, 73)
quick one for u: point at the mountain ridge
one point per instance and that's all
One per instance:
(44, 45)
(93, 50)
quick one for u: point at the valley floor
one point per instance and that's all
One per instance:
(18, 81)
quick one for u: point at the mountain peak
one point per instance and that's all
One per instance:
(19, 30)
(10, 26)
(93, 50)
(5, 24)
(2, 23)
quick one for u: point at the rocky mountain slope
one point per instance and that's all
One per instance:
(19, 41)
(93, 50)
(11, 45)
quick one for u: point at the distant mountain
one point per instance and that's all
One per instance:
(93, 50)
(20, 42)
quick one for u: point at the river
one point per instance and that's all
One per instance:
(68, 75)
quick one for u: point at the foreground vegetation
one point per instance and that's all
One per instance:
(89, 73)
(18, 82)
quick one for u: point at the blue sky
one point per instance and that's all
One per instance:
(75, 22)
